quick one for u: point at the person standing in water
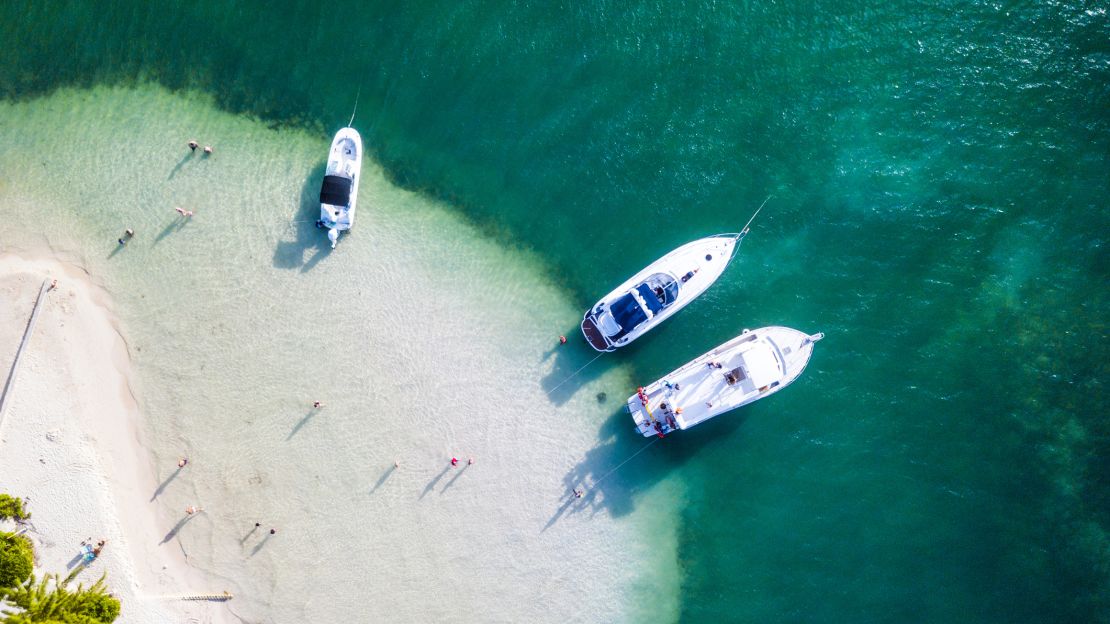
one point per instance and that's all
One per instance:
(127, 235)
(193, 145)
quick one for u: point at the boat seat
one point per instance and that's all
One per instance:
(735, 375)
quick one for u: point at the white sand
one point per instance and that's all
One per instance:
(425, 338)
(70, 444)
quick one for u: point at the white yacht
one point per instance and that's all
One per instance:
(340, 188)
(751, 366)
(664, 287)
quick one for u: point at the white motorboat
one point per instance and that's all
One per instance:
(664, 287)
(751, 366)
(340, 188)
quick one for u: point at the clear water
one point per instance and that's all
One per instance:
(940, 180)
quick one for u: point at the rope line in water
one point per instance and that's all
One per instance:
(355, 109)
(633, 456)
(575, 373)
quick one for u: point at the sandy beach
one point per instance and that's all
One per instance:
(70, 444)
(212, 336)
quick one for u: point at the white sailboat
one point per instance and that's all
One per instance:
(751, 366)
(658, 291)
(339, 192)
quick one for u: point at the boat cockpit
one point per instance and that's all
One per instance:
(664, 289)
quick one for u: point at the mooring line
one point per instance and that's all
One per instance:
(575, 373)
(606, 475)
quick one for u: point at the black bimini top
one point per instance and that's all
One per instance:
(336, 191)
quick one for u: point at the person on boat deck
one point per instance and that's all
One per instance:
(686, 278)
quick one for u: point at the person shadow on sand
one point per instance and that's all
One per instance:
(176, 528)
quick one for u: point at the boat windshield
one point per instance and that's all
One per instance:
(336, 191)
(659, 288)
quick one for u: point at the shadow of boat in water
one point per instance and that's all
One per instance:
(309, 244)
(625, 464)
(575, 365)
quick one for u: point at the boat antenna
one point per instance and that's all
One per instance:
(355, 109)
(744, 230)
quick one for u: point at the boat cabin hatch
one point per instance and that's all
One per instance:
(336, 191)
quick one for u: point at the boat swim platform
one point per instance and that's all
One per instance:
(593, 335)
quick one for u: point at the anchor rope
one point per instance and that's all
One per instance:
(575, 373)
(633, 456)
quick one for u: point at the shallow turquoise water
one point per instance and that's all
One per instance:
(939, 172)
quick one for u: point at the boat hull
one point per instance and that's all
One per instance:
(693, 267)
(339, 193)
(750, 367)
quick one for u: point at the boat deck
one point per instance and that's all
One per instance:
(594, 336)
(752, 366)
(695, 388)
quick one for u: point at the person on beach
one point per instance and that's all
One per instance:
(193, 145)
(454, 461)
(99, 547)
(257, 524)
(273, 531)
(470, 461)
(127, 235)
(53, 285)
(317, 404)
(190, 510)
(181, 463)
